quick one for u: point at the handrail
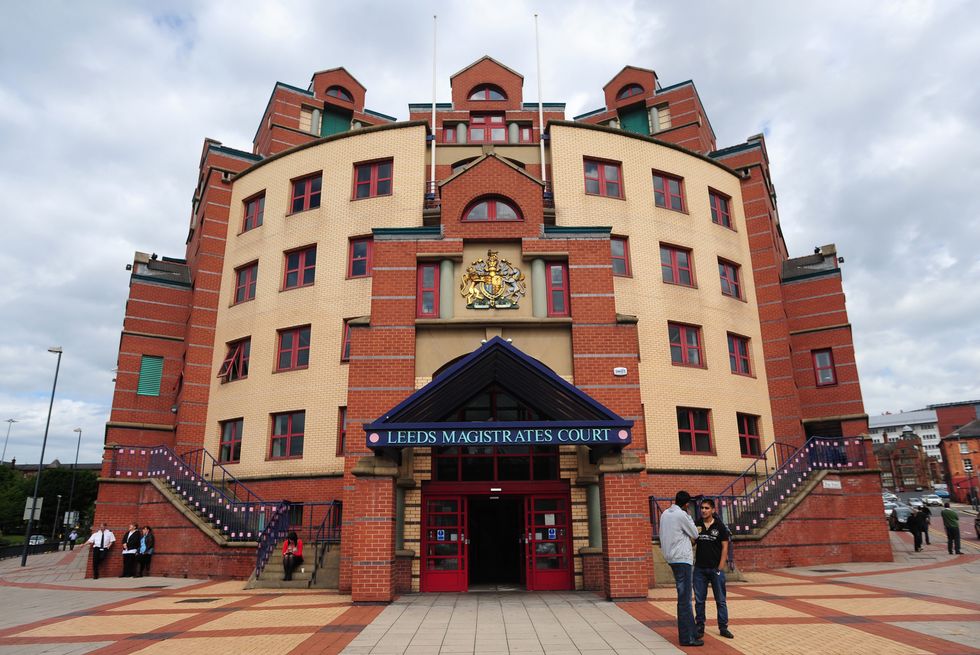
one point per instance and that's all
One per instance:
(274, 532)
(204, 463)
(778, 452)
(328, 532)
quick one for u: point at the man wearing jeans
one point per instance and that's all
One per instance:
(709, 563)
(677, 534)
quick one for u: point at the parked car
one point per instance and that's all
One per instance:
(932, 499)
(889, 508)
(916, 502)
(899, 517)
(942, 493)
(889, 497)
(36, 540)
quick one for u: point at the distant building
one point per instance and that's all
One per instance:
(961, 456)
(904, 464)
(923, 422)
(952, 416)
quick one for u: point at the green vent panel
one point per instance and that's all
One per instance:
(634, 119)
(335, 121)
(151, 370)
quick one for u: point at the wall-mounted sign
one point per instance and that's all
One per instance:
(552, 533)
(832, 484)
(498, 437)
(440, 535)
(492, 283)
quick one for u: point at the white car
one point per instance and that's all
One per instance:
(37, 539)
(932, 499)
(889, 508)
(889, 497)
(916, 502)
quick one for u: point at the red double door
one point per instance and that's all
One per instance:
(545, 542)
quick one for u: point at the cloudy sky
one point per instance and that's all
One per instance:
(871, 112)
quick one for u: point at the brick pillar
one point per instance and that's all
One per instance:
(373, 569)
(626, 560)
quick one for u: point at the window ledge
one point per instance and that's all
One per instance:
(470, 322)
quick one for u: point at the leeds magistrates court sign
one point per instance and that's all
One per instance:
(498, 437)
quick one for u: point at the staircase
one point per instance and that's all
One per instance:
(319, 572)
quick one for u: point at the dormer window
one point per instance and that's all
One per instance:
(340, 93)
(629, 91)
(492, 209)
(487, 92)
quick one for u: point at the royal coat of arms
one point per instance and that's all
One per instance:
(492, 283)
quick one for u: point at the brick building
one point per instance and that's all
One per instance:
(961, 460)
(494, 366)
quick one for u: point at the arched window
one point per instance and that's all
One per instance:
(487, 92)
(629, 91)
(492, 209)
(340, 93)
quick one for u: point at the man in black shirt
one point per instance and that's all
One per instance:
(709, 559)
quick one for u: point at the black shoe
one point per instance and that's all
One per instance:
(699, 633)
(696, 642)
(959, 552)
(724, 632)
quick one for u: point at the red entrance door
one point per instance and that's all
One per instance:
(547, 557)
(444, 556)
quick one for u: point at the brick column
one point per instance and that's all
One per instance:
(626, 560)
(373, 570)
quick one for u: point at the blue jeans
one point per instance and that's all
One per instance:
(716, 578)
(683, 580)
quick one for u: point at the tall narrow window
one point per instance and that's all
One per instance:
(823, 367)
(488, 128)
(557, 276)
(685, 345)
(738, 354)
(675, 266)
(306, 193)
(294, 349)
(235, 366)
(287, 435)
(668, 192)
(254, 210)
(603, 178)
(449, 134)
(345, 342)
(359, 259)
(231, 441)
(372, 179)
(245, 279)
(151, 375)
(720, 209)
(694, 430)
(730, 283)
(620, 256)
(300, 268)
(749, 441)
(341, 431)
(428, 290)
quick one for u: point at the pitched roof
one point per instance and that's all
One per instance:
(485, 57)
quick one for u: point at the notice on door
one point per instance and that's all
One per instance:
(549, 519)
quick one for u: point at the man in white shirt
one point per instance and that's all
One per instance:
(101, 540)
(677, 536)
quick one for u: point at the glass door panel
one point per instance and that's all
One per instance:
(548, 557)
(444, 552)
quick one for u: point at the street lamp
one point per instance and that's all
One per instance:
(40, 463)
(10, 423)
(71, 494)
(54, 524)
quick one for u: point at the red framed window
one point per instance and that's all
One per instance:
(488, 128)
(341, 430)
(729, 274)
(676, 266)
(603, 178)
(449, 134)
(492, 209)
(620, 256)
(629, 91)
(294, 349)
(720, 209)
(306, 193)
(557, 279)
(245, 278)
(738, 354)
(685, 345)
(345, 342)
(427, 292)
(749, 441)
(235, 366)
(372, 179)
(340, 93)
(487, 92)
(823, 367)
(359, 257)
(254, 211)
(230, 451)
(694, 430)
(526, 133)
(287, 435)
(668, 192)
(300, 268)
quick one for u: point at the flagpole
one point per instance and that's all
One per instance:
(537, 48)
(432, 162)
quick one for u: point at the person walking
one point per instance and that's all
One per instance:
(101, 541)
(710, 558)
(72, 538)
(130, 550)
(951, 521)
(146, 544)
(677, 534)
(927, 519)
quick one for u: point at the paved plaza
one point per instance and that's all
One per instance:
(926, 602)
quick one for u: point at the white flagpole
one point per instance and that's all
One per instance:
(432, 163)
(537, 48)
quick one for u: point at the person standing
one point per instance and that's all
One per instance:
(146, 544)
(101, 541)
(710, 558)
(951, 521)
(677, 535)
(916, 524)
(130, 550)
(926, 520)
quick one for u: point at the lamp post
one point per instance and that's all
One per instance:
(71, 494)
(40, 463)
(10, 423)
(54, 524)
